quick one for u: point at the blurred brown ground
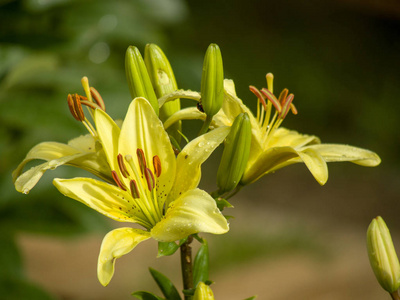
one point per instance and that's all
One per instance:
(335, 216)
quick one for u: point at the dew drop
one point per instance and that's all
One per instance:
(201, 144)
(26, 191)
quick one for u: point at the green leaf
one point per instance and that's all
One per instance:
(10, 259)
(251, 298)
(166, 286)
(201, 262)
(222, 203)
(169, 248)
(143, 295)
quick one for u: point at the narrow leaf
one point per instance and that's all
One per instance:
(143, 295)
(166, 286)
(201, 262)
(168, 248)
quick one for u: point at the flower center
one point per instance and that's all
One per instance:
(141, 180)
(268, 122)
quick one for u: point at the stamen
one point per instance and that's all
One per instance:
(283, 96)
(71, 107)
(293, 109)
(134, 189)
(78, 107)
(157, 165)
(271, 97)
(122, 166)
(117, 180)
(258, 94)
(96, 96)
(286, 106)
(90, 104)
(150, 179)
(141, 159)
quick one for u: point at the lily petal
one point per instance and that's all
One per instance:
(190, 159)
(109, 133)
(335, 152)
(189, 113)
(115, 244)
(105, 198)
(81, 152)
(285, 137)
(279, 157)
(195, 211)
(142, 129)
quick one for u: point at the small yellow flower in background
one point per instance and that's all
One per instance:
(274, 147)
(85, 152)
(152, 187)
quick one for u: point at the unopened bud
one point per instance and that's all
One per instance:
(212, 81)
(382, 255)
(138, 79)
(164, 83)
(203, 292)
(235, 155)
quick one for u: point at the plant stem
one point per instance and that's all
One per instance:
(395, 295)
(186, 265)
(206, 124)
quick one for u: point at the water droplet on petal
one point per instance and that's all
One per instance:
(26, 191)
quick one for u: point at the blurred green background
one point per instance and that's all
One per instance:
(340, 59)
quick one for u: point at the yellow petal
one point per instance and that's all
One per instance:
(115, 244)
(108, 133)
(189, 113)
(142, 129)
(335, 152)
(284, 137)
(279, 157)
(105, 198)
(195, 211)
(189, 160)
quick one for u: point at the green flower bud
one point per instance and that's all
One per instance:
(138, 79)
(203, 292)
(235, 155)
(382, 255)
(212, 81)
(164, 83)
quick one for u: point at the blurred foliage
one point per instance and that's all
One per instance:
(341, 62)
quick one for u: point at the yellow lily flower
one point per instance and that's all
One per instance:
(274, 147)
(152, 188)
(84, 152)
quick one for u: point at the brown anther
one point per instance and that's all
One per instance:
(72, 107)
(122, 166)
(96, 96)
(287, 105)
(293, 109)
(117, 180)
(134, 189)
(78, 107)
(151, 183)
(258, 94)
(157, 165)
(283, 96)
(141, 159)
(90, 104)
(271, 97)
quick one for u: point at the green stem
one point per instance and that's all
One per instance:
(395, 295)
(187, 266)
(206, 124)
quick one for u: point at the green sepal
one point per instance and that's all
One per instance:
(212, 81)
(236, 154)
(201, 264)
(163, 79)
(169, 248)
(166, 286)
(222, 203)
(143, 295)
(138, 79)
